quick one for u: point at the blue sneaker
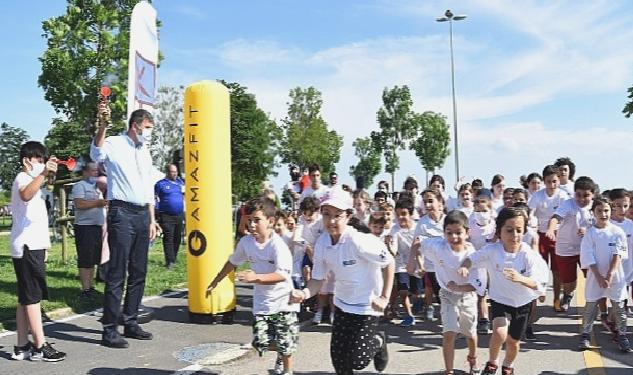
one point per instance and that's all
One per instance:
(407, 321)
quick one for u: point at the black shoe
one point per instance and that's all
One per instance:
(529, 334)
(85, 295)
(136, 332)
(382, 356)
(114, 340)
(483, 327)
(47, 354)
(566, 301)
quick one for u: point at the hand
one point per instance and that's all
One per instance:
(103, 114)
(609, 277)
(551, 235)
(512, 274)
(411, 269)
(452, 286)
(309, 251)
(463, 271)
(297, 296)
(247, 276)
(103, 202)
(581, 232)
(210, 289)
(380, 303)
(153, 232)
(541, 299)
(415, 246)
(50, 166)
(602, 282)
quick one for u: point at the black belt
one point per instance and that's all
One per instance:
(128, 205)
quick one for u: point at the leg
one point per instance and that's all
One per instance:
(448, 350)
(620, 316)
(512, 349)
(85, 277)
(169, 232)
(34, 317)
(137, 268)
(178, 229)
(340, 343)
(556, 286)
(589, 316)
(22, 325)
(406, 302)
(286, 328)
(499, 336)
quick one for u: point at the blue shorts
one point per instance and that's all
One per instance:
(407, 282)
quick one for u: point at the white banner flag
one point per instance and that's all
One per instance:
(143, 58)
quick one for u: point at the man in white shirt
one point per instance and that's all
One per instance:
(316, 189)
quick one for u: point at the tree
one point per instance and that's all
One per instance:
(307, 137)
(368, 166)
(254, 143)
(68, 138)
(167, 136)
(396, 126)
(11, 139)
(628, 108)
(431, 144)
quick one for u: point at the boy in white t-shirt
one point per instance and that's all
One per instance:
(457, 293)
(601, 251)
(29, 249)
(572, 218)
(276, 325)
(544, 204)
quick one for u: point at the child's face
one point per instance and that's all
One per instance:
(280, 226)
(334, 220)
(534, 184)
(563, 173)
(498, 189)
(404, 218)
(620, 207)
(602, 214)
(583, 197)
(482, 204)
(388, 216)
(376, 229)
(508, 198)
(437, 186)
(379, 200)
(456, 235)
(291, 223)
(519, 198)
(511, 233)
(260, 226)
(360, 206)
(315, 178)
(431, 203)
(310, 216)
(466, 197)
(28, 163)
(552, 182)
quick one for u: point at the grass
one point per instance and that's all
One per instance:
(63, 280)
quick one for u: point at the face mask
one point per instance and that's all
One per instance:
(36, 169)
(92, 180)
(482, 218)
(146, 136)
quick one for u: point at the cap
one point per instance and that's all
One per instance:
(338, 198)
(486, 193)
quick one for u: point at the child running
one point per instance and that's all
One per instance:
(601, 251)
(457, 293)
(621, 203)
(276, 325)
(515, 281)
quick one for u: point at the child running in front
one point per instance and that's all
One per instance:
(276, 325)
(515, 281)
(457, 293)
(601, 251)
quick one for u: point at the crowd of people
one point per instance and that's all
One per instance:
(484, 258)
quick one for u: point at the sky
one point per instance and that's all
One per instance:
(535, 80)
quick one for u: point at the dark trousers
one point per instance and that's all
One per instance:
(128, 238)
(353, 342)
(172, 232)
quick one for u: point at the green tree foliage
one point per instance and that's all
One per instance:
(11, 139)
(397, 127)
(431, 143)
(368, 165)
(628, 108)
(167, 136)
(68, 138)
(254, 143)
(86, 47)
(307, 137)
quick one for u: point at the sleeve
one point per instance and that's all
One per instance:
(319, 267)
(480, 257)
(478, 278)
(23, 179)
(283, 258)
(621, 246)
(79, 191)
(563, 210)
(587, 257)
(533, 202)
(372, 250)
(99, 154)
(538, 271)
(157, 189)
(428, 249)
(239, 255)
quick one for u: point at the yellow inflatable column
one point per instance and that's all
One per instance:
(207, 155)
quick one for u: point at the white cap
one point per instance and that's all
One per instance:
(338, 198)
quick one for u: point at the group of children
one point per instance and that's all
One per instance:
(485, 258)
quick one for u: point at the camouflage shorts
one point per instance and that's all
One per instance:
(279, 332)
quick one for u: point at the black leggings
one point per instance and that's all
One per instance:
(354, 342)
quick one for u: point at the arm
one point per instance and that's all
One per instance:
(249, 276)
(153, 225)
(380, 303)
(514, 275)
(300, 295)
(103, 117)
(228, 268)
(613, 266)
(602, 281)
(28, 192)
(85, 204)
(463, 288)
(551, 227)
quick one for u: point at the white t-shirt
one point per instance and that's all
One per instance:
(447, 262)
(530, 236)
(497, 203)
(543, 206)
(401, 240)
(568, 188)
(627, 263)
(478, 235)
(468, 211)
(572, 217)
(495, 259)
(599, 246)
(305, 234)
(429, 228)
(271, 256)
(30, 221)
(356, 260)
(320, 194)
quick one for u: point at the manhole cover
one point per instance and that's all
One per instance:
(215, 353)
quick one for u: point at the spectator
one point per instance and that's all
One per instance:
(169, 193)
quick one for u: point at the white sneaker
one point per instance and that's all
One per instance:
(430, 313)
(318, 316)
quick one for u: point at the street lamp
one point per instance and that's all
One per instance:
(450, 17)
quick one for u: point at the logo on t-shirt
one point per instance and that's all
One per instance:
(350, 262)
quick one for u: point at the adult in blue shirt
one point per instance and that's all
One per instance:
(131, 223)
(169, 195)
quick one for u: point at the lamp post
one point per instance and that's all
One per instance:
(450, 17)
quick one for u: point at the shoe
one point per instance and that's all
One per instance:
(318, 316)
(624, 344)
(170, 266)
(418, 306)
(136, 332)
(85, 295)
(507, 370)
(279, 365)
(490, 369)
(332, 318)
(430, 313)
(407, 321)
(472, 363)
(529, 333)
(557, 307)
(565, 301)
(21, 353)
(382, 356)
(606, 324)
(47, 354)
(114, 340)
(483, 327)
(585, 342)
